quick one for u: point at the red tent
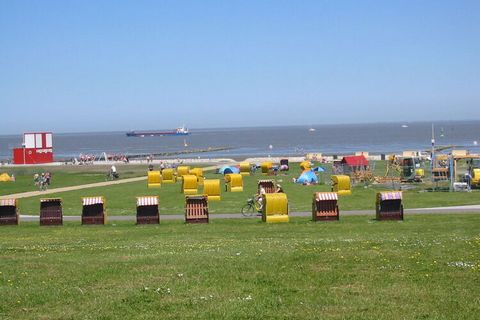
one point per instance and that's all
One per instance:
(355, 161)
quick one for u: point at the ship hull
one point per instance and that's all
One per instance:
(156, 134)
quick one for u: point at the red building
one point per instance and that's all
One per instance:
(37, 147)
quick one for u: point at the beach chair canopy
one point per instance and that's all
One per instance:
(147, 201)
(390, 195)
(323, 196)
(88, 201)
(8, 202)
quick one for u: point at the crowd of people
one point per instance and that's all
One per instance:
(42, 180)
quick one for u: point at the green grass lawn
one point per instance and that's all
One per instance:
(426, 267)
(121, 198)
(63, 176)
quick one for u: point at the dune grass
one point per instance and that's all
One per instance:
(425, 267)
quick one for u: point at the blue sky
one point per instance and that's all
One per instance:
(71, 66)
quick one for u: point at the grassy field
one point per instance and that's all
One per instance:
(64, 176)
(426, 267)
(121, 198)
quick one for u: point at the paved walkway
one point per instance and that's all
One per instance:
(474, 209)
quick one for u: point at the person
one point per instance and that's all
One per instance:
(42, 182)
(259, 197)
(48, 177)
(279, 189)
(468, 179)
(113, 171)
(150, 167)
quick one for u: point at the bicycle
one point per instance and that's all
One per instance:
(110, 176)
(252, 207)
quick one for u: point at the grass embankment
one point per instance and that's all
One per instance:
(121, 198)
(425, 267)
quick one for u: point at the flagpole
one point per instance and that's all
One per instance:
(432, 155)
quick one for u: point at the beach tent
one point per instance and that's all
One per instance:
(307, 177)
(318, 169)
(4, 177)
(228, 169)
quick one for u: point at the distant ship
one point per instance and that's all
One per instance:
(312, 130)
(182, 131)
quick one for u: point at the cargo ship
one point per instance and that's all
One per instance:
(182, 131)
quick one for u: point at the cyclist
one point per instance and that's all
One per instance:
(259, 196)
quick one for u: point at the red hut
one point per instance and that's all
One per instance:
(37, 147)
(354, 164)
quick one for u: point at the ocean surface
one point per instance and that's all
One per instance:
(376, 138)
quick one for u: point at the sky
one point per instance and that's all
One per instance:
(77, 66)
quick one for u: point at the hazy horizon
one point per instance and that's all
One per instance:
(314, 125)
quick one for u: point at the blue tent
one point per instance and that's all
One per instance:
(307, 177)
(228, 169)
(319, 169)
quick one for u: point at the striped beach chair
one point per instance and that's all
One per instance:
(196, 209)
(51, 213)
(325, 206)
(389, 205)
(93, 210)
(147, 210)
(8, 212)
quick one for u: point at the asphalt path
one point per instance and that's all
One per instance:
(470, 209)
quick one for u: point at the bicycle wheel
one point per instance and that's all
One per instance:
(248, 210)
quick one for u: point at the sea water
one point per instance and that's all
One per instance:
(376, 138)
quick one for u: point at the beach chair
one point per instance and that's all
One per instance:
(93, 210)
(196, 209)
(51, 213)
(168, 176)
(267, 168)
(198, 172)
(154, 179)
(234, 182)
(284, 165)
(9, 212)
(275, 207)
(325, 207)
(268, 185)
(182, 171)
(147, 210)
(341, 185)
(389, 205)
(211, 188)
(189, 184)
(245, 168)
